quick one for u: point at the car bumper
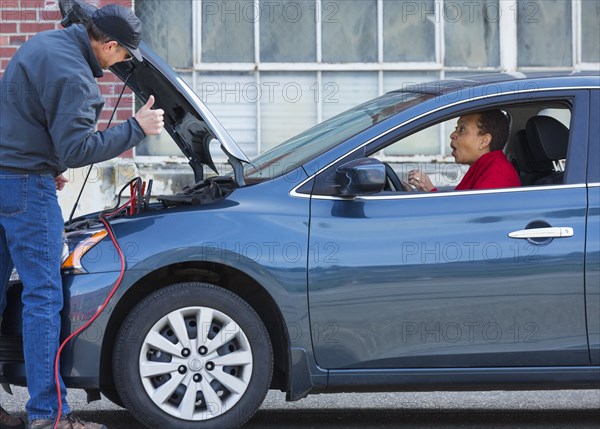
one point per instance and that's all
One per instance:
(80, 360)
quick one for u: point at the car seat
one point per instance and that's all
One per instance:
(547, 141)
(522, 159)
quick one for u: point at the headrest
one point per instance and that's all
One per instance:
(548, 138)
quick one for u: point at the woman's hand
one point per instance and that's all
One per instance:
(420, 181)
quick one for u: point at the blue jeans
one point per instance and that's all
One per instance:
(31, 226)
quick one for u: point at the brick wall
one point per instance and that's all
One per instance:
(21, 19)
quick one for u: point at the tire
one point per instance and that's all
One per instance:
(172, 375)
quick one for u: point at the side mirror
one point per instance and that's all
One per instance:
(362, 176)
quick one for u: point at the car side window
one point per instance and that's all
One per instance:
(537, 148)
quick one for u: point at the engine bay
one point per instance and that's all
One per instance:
(135, 197)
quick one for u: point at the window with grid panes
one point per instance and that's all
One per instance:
(270, 69)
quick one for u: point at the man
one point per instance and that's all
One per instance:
(49, 106)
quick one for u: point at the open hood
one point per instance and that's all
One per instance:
(189, 122)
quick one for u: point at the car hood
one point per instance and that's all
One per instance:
(189, 122)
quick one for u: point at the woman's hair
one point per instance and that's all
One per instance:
(496, 123)
(95, 33)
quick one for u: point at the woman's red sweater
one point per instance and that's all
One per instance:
(492, 170)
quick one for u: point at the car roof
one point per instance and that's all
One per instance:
(523, 80)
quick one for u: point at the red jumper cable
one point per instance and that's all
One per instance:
(89, 322)
(131, 207)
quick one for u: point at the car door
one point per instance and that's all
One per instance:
(434, 280)
(592, 265)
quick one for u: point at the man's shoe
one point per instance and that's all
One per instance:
(9, 422)
(66, 422)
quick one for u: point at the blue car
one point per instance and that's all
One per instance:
(316, 268)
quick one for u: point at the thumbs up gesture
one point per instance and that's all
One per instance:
(150, 120)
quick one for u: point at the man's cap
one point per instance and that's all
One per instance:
(121, 25)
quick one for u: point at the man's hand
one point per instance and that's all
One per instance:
(60, 182)
(150, 120)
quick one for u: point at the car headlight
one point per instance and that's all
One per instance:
(72, 262)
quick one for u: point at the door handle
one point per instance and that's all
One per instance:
(551, 232)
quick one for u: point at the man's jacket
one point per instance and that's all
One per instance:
(50, 103)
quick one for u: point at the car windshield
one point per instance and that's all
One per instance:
(316, 140)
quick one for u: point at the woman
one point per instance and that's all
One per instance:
(477, 140)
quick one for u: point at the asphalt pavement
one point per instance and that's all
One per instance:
(572, 409)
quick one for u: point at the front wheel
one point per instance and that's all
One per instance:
(193, 356)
